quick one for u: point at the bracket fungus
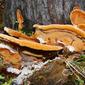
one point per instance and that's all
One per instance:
(30, 44)
(66, 34)
(18, 34)
(77, 17)
(54, 36)
(20, 19)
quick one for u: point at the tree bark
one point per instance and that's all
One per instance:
(41, 11)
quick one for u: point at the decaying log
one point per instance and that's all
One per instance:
(50, 74)
(43, 73)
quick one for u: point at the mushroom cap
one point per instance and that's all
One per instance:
(81, 26)
(67, 27)
(67, 34)
(30, 44)
(77, 17)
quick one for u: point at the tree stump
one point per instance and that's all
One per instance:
(41, 11)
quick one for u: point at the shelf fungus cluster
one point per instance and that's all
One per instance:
(53, 37)
(48, 38)
(53, 41)
(61, 35)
